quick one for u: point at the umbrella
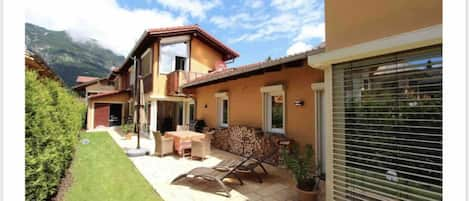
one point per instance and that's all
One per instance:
(141, 116)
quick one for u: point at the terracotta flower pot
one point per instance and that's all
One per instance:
(307, 195)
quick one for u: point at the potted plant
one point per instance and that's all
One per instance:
(304, 170)
(128, 130)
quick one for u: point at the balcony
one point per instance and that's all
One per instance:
(178, 78)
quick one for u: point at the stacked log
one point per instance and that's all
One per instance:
(244, 141)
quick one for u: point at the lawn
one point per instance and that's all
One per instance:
(102, 171)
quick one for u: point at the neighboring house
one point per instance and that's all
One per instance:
(82, 79)
(89, 86)
(165, 58)
(34, 62)
(274, 95)
(383, 86)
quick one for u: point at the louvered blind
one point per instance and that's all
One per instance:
(387, 135)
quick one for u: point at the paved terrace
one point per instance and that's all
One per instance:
(160, 171)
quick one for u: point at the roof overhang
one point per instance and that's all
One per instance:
(409, 40)
(297, 60)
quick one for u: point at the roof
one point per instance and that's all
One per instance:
(226, 51)
(84, 84)
(108, 93)
(83, 79)
(34, 62)
(240, 70)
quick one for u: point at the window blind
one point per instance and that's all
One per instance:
(387, 127)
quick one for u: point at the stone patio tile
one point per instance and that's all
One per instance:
(278, 185)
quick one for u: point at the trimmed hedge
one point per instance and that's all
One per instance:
(54, 118)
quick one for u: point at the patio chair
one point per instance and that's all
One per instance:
(163, 144)
(201, 147)
(250, 165)
(211, 174)
(182, 128)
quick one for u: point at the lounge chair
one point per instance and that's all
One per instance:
(212, 174)
(250, 165)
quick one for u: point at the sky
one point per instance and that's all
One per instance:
(256, 29)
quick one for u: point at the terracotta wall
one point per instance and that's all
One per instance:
(203, 57)
(351, 22)
(245, 101)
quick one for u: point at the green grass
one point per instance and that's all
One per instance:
(102, 171)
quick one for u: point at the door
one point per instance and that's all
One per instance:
(101, 114)
(115, 114)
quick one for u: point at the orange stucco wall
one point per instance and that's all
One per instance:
(352, 22)
(245, 101)
(203, 57)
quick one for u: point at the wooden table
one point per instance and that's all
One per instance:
(181, 136)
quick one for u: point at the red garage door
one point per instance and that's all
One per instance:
(101, 114)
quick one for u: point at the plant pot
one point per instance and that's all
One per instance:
(307, 195)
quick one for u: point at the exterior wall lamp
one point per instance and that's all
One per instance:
(299, 103)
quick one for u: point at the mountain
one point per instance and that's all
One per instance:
(69, 58)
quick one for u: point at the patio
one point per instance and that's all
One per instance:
(160, 171)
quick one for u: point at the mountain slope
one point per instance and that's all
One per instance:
(69, 58)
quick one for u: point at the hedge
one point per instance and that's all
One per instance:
(54, 118)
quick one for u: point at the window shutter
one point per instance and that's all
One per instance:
(387, 127)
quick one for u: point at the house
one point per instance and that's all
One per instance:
(165, 59)
(383, 99)
(34, 62)
(274, 96)
(88, 86)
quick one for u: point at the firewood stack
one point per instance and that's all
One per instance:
(244, 141)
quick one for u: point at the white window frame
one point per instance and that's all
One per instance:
(319, 98)
(151, 59)
(174, 40)
(221, 96)
(267, 93)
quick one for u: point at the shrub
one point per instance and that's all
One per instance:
(303, 167)
(53, 118)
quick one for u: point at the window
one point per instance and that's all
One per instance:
(180, 63)
(274, 108)
(173, 56)
(146, 62)
(191, 112)
(387, 140)
(223, 104)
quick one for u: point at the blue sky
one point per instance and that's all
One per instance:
(256, 28)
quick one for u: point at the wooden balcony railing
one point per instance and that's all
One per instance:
(178, 78)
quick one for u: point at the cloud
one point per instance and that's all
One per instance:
(291, 4)
(310, 31)
(195, 8)
(298, 47)
(254, 3)
(113, 26)
(296, 21)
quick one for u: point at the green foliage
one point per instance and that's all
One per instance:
(127, 128)
(53, 117)
(70, 58)
(303, 167)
